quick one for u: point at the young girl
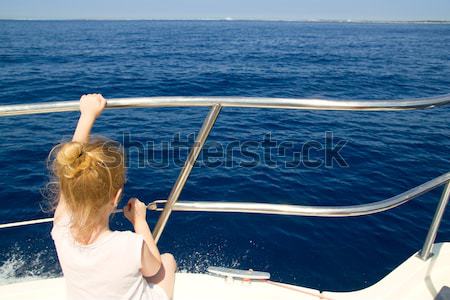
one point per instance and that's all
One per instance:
(99, 263)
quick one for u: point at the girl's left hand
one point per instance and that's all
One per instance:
(135, 210)
(92, 105)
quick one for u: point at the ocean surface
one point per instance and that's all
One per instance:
(385, 153)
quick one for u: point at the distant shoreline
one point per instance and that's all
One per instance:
(250, 20)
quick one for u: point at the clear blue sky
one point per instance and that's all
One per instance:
(217, 9)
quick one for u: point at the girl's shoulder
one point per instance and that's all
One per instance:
(130, 244)
(129, 237)
(61, 225)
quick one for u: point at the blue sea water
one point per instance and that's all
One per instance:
(386, 152)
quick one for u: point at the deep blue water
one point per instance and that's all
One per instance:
(387, 153)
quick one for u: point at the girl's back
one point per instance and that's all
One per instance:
(108, 268)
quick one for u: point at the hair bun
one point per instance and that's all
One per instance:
(73, 159)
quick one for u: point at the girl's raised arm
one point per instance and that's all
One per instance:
(91, 106)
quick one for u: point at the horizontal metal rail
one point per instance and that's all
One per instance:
(301, 210)
(256, 102)
(287, 209)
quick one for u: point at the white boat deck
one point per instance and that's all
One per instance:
(414, 279)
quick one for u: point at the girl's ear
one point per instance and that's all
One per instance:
(117, 197)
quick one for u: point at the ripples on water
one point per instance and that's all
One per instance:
(387, 153)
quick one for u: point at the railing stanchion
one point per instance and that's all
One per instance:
(208, 124)
(425, 253)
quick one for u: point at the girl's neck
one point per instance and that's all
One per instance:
(90, 237)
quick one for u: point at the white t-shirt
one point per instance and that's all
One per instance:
(109, 268)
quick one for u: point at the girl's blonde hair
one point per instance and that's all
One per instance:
(88, 176)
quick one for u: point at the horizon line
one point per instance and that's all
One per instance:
(313, 20)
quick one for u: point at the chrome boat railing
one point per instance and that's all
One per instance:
(256, 102)
(216, 103)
